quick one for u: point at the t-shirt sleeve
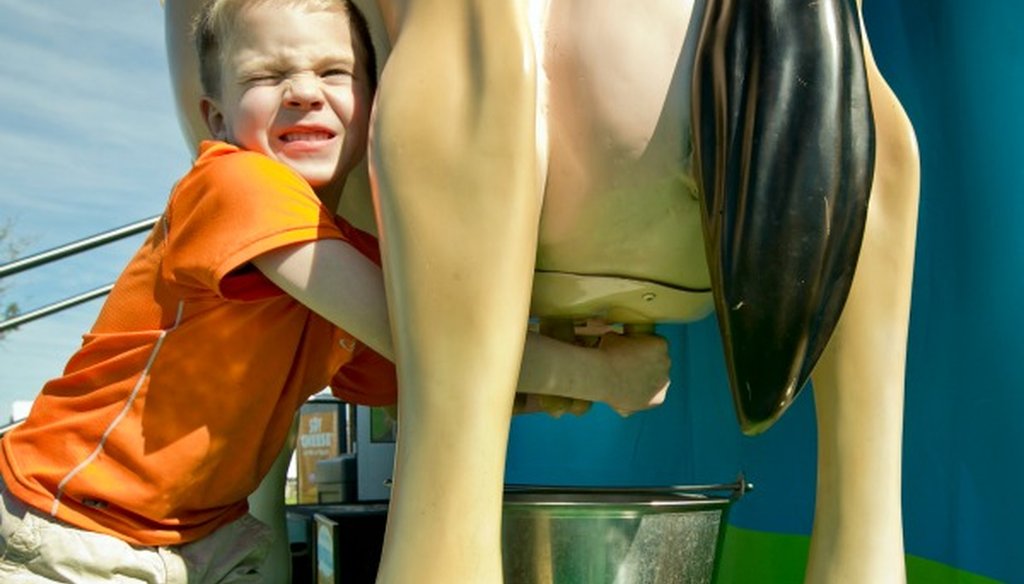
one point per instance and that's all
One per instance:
(368, 379)
(231, 208)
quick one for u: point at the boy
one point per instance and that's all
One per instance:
(137, 462)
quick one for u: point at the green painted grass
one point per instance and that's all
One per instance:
(757, 557)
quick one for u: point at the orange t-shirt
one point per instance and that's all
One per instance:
(183, 393)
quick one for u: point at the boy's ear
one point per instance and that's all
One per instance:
(213, 117)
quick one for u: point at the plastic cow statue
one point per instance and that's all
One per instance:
(636, 162)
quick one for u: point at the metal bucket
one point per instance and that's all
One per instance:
(614, 536)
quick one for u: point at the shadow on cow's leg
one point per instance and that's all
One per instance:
(267, 504)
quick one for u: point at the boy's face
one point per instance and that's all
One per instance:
(291, 88)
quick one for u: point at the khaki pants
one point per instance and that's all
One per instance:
(35, 548)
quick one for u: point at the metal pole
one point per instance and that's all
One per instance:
(75, 247)
(49, 309)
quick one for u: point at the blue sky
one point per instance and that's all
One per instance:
(89, 141)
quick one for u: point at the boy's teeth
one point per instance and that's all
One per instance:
(306, 136)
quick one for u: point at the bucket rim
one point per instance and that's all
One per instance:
(731, 491)
(650, 498)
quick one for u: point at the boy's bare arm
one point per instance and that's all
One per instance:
(629, 373)
(337, 282)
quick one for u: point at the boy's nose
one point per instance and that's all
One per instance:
(302, 91)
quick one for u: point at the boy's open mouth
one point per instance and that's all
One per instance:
(306, 136)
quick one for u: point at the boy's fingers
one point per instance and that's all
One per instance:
(578, 407)
(638, 329)
(554, 405)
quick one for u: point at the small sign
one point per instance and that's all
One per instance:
(318, 439)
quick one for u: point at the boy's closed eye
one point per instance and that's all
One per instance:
(337, 74)
(263, 78)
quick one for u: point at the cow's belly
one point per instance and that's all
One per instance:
(620, 233)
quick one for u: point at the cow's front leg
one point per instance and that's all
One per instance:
(859, 381)
(454, 161)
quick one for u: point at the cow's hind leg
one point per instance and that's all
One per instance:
(859, 380)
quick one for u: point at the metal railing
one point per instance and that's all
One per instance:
(5, 428)
(59, 253)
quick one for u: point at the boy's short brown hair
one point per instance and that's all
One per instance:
(215, 19)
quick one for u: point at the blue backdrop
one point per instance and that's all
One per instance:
(959, 71)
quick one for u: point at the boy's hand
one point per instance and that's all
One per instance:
(552, 405)
(639, 366)
(555, 406)
(564, 373)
